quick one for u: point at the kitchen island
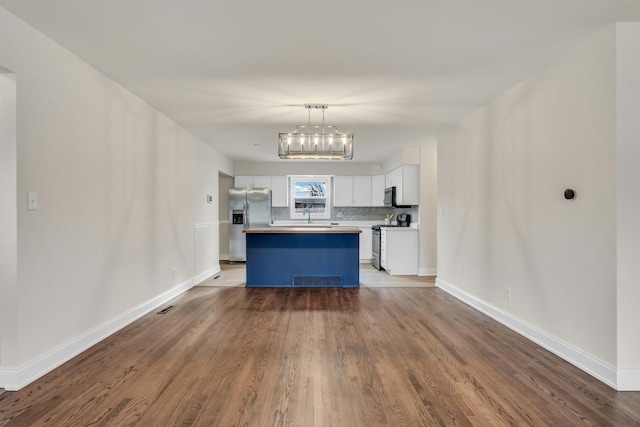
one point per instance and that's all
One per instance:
(303, 257)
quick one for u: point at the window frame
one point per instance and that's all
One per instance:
(328, 186)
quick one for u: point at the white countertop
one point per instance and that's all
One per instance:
(330, 223)
(400, 228)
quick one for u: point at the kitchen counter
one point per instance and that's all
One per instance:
(304, 230)
(399, 228)
(303, 257)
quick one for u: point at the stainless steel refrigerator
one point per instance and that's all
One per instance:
(248, 208)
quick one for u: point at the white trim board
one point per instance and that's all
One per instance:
(594, 367)
(206, 274)
(12, 379)
(427, 272)
(206, 224)
(628, 379)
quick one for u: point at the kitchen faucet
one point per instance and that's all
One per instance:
(308, 212)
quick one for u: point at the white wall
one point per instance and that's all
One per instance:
(428, 157)
(295, 167)
(502, 174)
(628, 198)
(8, 217)
(121, 188)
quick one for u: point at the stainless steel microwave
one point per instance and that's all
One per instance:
(390, 197)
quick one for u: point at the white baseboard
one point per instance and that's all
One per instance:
(427, 272)
(628, 380)
(595, 367)
(206, 274)
(12, 379)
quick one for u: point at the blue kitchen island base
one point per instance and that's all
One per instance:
(303, 258)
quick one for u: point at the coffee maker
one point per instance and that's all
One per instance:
(404, 220)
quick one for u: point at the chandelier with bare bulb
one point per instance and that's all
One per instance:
(313, 142)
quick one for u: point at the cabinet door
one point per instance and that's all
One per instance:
(377, 190)
(343, 191)
(279, 187)
(394, 178)
(366, 243)
(262, 181)
(401, 251)
(406, 179)
(361, 191)
(383, 248)
(243, 181)
(411, 185)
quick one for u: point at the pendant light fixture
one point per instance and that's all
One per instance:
(321, 142)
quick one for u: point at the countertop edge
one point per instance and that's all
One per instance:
(302, 230)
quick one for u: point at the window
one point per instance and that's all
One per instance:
(310, 197)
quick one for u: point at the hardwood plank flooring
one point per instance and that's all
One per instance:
(230, 356)
(235, 275)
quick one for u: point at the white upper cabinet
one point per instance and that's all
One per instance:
(252, 181)
(361, 191)
(279, 187)
(406, 179)
(352, 191)
(377, 190)
(277, 184)
(243, 181)
(262, 181)
(343, 191)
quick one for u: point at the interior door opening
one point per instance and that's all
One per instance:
(8, 220)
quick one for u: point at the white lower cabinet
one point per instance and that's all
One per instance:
(399, 250)
(365, 244)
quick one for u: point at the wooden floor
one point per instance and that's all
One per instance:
(229, 356)
(235, 275)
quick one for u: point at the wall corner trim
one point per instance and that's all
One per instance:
(628, 380)
(206, 274)
(427, 272)
(12, 379)
(589, 364)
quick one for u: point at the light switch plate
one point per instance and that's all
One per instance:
(32, 201)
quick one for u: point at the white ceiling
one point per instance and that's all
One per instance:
(395, 73)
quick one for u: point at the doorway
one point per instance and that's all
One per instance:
(8, 221)
(225, 182)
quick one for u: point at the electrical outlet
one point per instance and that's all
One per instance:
(174, 272)
(507, 293)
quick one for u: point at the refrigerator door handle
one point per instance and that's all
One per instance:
(246, 215)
